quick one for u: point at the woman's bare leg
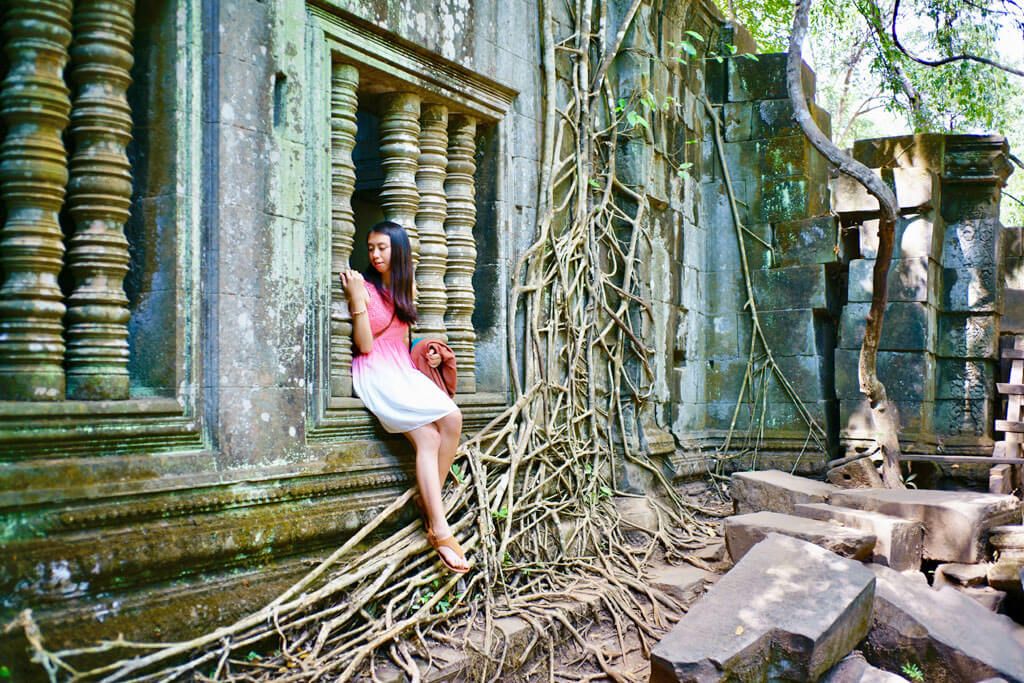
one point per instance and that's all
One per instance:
(427, 440)
(450, 427)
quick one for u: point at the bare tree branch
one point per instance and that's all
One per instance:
(946, 60)
(881, 411)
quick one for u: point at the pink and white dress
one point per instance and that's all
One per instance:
(401, 397)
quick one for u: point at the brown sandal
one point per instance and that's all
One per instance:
(452, 545)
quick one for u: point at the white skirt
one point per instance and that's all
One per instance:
(398, 394)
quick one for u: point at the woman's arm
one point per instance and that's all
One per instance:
(358, 300)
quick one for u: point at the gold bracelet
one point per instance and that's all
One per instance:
(355, 313)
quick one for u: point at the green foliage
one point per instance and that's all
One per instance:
(4, 672)
(912, 671)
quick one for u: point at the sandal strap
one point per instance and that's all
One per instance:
(450, 543)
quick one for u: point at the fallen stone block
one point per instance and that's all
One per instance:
(855, 669)
(955, 522)
(742, 532)
(775, 491)
(859, 474)
(986, 596)
(1005, 576)
(684, 583)
(957, 574)
(949, 636)
(898, 541)
(761, 622)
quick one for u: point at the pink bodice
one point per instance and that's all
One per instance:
(379, 312)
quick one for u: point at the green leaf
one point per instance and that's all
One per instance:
(252, 656)
(502, 513)
(605, 491)
(718, 58)
(593, 183)
(457, 473)
(688, 48)
(620, 106)
(732, 49)
(695, 35)
(5, 672)
(751, 57)
(635, 120)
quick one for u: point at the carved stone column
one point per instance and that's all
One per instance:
(34, 104)
(99, 199)
(431, 299)
(458, 278)
(400, 152)
(344, 80)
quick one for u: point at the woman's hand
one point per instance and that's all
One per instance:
(352, 282)
(433, 357)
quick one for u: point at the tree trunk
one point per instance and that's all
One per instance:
(882, 413)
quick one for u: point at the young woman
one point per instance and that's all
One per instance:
(403, 398)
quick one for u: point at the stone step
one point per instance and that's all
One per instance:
(742, 532)
(855, 669)
(898, 541)
(1009, 426)
(1007, 388)
(788, 610)
(775, 491)
(955, 523)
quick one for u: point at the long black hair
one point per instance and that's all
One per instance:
(402, 275)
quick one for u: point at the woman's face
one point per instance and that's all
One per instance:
(379, 249)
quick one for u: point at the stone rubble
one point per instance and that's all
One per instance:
(742, 532)
(775, 491)
(766, 619)
(898, 541)
(759, 622)
(955, 522)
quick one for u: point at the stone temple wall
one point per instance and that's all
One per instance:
(173, 454)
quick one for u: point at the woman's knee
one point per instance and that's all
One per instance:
(426, 438)
(451, 423)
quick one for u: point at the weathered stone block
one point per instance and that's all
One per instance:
(855, 669)
(785, 633)
(789, 332)
(907, 376)
(949, 636)
(965, 378)
(970, 336)
(683, 583)
(957, 573)
(789, 199)
(986, 596)
(912, 417)
(725, 289)
(806, 374)
(775, 491)
(783, 416)
(764, 79)
(971, 289)
(1012, 320)
(910, 279)
(742, 532)
(859, 474)
(722, 336)
(908, 326)
(849, 196)
(794, 287)
(915, 236)
(806, 241)
(924, 150)
(737, 117)
(784, 157)
(963, 417)
(898, 541)
(972, 243)
(774, 118)
(954, 522)
(914, 187)
(724, 378)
